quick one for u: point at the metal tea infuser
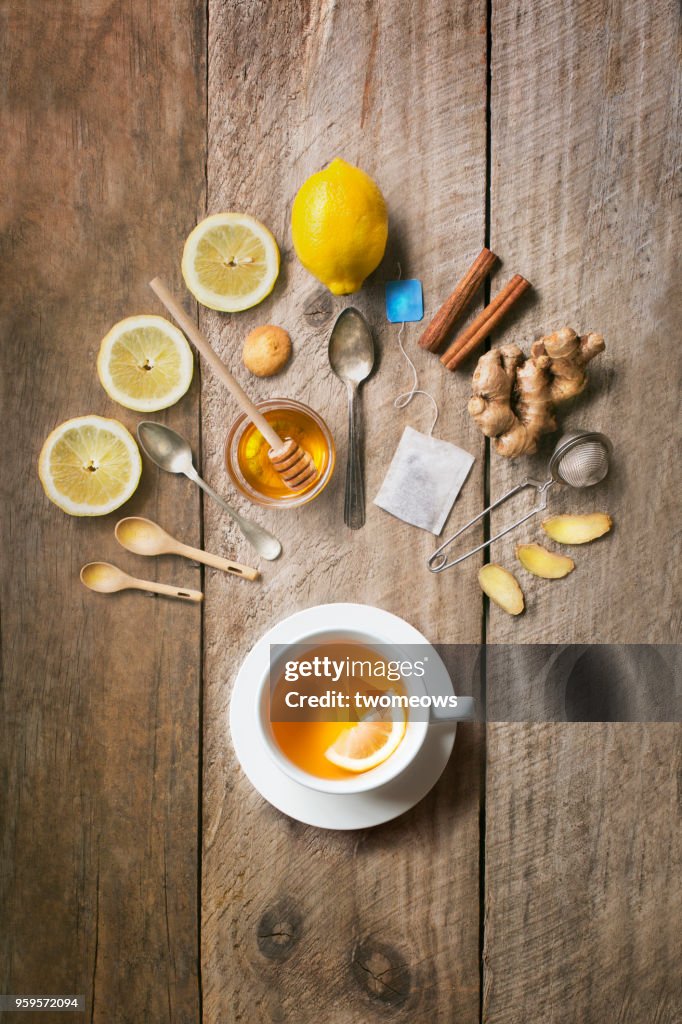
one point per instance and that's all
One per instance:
(580, 459)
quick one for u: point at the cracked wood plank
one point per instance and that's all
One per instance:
(297, 923)
(103, 135)
(581, 852)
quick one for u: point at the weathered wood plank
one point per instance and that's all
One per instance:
(582, 874)
(103, 139)
(384, 921)
(580, 847)
(592, 117)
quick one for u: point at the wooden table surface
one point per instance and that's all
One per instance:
(539, 880)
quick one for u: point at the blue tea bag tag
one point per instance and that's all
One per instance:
(404, 301)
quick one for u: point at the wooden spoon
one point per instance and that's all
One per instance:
(144, 537)
(295, 465)
(107, 579)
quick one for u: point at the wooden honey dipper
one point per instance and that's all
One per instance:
(295, 466)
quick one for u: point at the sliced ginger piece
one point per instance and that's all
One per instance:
(502, 587)
(569, 529)
(541, 562)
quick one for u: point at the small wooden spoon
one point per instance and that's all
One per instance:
(295, 465)
(107, 579)
(144, 537)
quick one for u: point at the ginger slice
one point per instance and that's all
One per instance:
(540, 562)
(576, 529)
(502, 587)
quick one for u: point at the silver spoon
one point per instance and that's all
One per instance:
(171, 452)
(351, 355)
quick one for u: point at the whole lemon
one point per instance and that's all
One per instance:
(339, 226)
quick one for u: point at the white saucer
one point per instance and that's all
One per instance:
(331, 810)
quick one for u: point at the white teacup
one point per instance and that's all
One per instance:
(394, 765)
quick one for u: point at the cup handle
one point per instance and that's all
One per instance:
(464, 712)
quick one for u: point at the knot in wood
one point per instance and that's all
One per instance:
(319, 307)
(382, 972)
(279, 929)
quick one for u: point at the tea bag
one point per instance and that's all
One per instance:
(423, 480)
(426, 473)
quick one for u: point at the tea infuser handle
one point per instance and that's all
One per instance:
(437, 562)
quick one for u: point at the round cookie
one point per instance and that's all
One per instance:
(266, 350)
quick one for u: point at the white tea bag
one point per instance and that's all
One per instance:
(425, 476)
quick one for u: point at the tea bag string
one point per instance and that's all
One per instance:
(404, 399)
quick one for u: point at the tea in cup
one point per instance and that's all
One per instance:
(334, 712)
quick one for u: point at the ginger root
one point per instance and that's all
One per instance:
(502, 587)
(577, 529)
(548, 565)
(513, 398)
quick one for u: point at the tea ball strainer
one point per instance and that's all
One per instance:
(580, 459)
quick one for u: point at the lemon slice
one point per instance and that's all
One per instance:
(366, 745)
(145, 363)
(230, 262)
(89, 466)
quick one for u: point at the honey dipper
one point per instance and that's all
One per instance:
(295, 466)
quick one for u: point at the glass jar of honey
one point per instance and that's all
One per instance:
(248, 464)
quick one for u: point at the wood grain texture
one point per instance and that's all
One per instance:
(103, 148)
(593, 117)
(581, 852)
(582, 874)
(299, 924)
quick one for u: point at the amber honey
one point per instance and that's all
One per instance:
(304, 742)
(291, 420)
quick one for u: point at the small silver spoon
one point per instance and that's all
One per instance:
(351, 355)
(171, 452)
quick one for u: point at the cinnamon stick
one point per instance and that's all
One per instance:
(453, 307)
(486, 321)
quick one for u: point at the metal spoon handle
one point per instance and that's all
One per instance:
(264, 543)
(354, 502)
